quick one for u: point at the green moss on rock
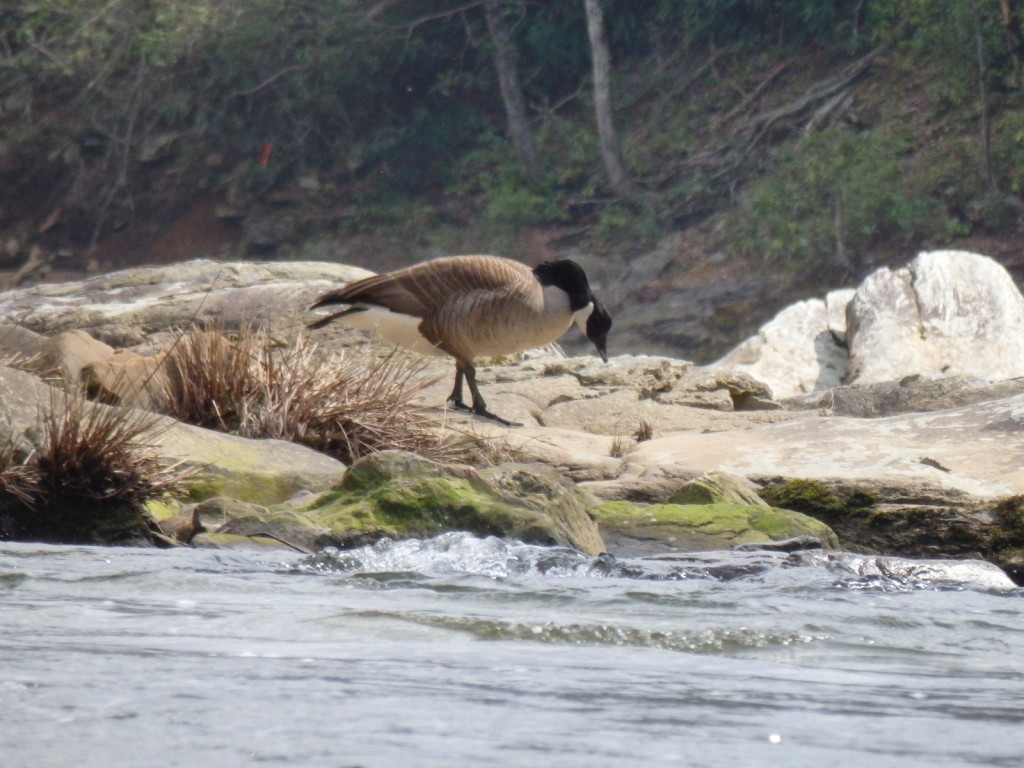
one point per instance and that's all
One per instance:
(631, 528)
(717, 488)
(255, 487)
(401, 495)
(814, 498)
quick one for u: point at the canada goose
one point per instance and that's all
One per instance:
(469, 306)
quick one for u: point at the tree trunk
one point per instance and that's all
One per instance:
(512, 93)
(611, 150)
(1014, 34)
(986, 127)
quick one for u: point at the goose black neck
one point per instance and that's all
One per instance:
(570, 277)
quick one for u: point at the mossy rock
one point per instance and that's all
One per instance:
(815, 498)
(718, 488)
(633, 530)
(254, 484)
(400, 495)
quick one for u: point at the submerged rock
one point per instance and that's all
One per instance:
(909, 573)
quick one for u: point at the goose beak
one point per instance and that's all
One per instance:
(599, 322)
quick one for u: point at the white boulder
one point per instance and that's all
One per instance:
(946, 313)
(795, 353)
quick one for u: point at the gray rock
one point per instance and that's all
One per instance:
(974, 449)
(912, 394)
(123, 308)
(946, 313)
(836, 304)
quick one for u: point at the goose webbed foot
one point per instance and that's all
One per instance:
(458, 405)
(483, 412)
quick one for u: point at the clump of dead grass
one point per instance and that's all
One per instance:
(643, 430)
(620, 446)
(18, 479)
(345, 405)
(88, 477)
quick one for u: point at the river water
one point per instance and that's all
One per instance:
(467, 652)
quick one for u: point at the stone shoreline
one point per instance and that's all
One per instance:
(919, 461)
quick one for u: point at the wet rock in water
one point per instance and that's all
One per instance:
(977, 573)
(631, 530)
(396, 494)
(912, 520)
(796, 544)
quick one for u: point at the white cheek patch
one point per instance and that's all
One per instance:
(580, 316)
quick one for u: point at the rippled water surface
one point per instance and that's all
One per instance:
(461, 652)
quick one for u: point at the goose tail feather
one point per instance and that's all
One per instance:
(332, 317)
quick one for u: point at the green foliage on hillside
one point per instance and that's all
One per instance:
(381, 113)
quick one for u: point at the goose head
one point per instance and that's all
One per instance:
(588, 313)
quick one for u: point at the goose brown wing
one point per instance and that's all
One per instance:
(465, 278)
(378, 290)
(422, 289)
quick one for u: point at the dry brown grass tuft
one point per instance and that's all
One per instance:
(644, 430)
(90, 451)
(344, 405)
(89, 477)
(210, 377)
(18, 479)
(621, 445)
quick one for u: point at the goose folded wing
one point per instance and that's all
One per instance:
(378, 290)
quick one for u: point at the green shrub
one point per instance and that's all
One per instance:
(884, 186)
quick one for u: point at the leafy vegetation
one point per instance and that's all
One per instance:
(358, 112)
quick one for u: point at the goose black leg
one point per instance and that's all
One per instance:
(455, 398)
(479, 406)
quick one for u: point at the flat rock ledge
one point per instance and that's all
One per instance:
(644, 455)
